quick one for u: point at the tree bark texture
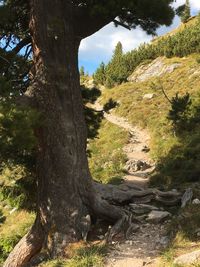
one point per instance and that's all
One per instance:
(65, 189)
(66, 193)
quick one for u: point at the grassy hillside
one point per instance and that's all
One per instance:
(178, 155)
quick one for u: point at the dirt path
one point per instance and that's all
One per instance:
(139, 163)
(143, 248)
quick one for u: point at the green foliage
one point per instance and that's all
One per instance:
(17, 137)
(89, 256)
(182, 43)
(110, 105)
(116, 70)
(13, 231)
(185, 15)
(107, 158)
(100, 74)
(180, 111)
(198, 60)
(2, 217)
(82, 71)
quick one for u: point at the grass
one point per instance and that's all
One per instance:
(13, 229)
(180, 245)
(107, 157)
(86, 256)
(178, 156)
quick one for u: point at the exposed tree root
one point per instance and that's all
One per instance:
(108, 205)
(120, 195)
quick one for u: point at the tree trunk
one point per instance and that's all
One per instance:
(65, 189)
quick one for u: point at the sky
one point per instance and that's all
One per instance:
(100, 46)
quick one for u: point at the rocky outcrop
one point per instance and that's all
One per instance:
(156, 68)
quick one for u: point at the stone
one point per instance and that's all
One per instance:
(133, 165)
(187, 197)
(164, 240)
(196, 201)
(149, 96)
(156, 216)
(188, 259)
(156, 68)
(13, 210)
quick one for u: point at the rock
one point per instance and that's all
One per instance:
(101, 237)
(156, 216)
(188, 259)
(196, 201)
(164, 241)
(133, 165)
(156, 68)
(13, 210)
(187, 197)
(197, 232)
(149, 96)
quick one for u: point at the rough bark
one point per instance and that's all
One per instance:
(65, 189)
(66, 193)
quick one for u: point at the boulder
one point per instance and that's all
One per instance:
(156, 216)
(188, 259)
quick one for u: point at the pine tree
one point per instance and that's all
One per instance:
(184, 11)
(53, 31)
(116, 70)
(82, 71)
(100, 75)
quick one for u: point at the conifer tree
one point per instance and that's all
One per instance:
(100, 75)
(82, 71)
(116, 70)
(53, 31)
(184, 11)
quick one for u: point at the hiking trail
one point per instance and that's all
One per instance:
(144, 246)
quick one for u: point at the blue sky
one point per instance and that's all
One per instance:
(99, 47)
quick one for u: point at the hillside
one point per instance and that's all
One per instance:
(174, 75)
(177, 155)
(136, 124)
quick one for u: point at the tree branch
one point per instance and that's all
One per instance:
(87, 24)
(121, 24)
(21, 44)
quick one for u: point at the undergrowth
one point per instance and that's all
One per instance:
(86, 256)
(107, 157)
(14, 228)
(177, 155)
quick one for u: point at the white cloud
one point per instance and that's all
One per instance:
(195, 4)
(99, 47)
(102, 43)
